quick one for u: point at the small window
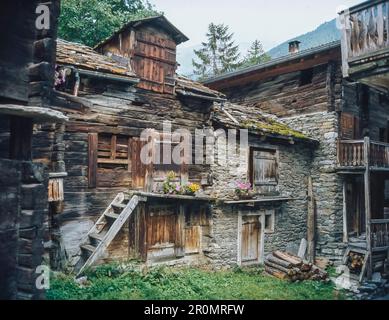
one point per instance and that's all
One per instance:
(306, 77)
(269, 221)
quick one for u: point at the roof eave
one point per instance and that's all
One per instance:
(272, 63)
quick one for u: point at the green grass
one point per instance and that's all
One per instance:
(111, 282)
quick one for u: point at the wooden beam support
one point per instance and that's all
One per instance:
(311, 222)
(345, 231)
(368, 206)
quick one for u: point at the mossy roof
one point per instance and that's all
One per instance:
(256, 122)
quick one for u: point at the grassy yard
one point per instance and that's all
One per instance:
(111, 282)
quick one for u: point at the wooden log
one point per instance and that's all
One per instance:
(278, 261)
(40, 71)
(295, 261)
(276, 273)
(277, 267)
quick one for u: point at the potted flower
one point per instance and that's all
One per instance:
(171, 187)
(191, 189)
(243, 190)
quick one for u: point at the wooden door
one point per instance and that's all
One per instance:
(250, 239)
(161, 231)
(349, 127)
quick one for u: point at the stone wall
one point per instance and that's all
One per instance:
(327, 184)
(23, 199)
(290, 217)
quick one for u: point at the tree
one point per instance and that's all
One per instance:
(91, 21)
(218, 54)
(255, 55)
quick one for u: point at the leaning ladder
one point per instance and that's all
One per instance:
(105, 229)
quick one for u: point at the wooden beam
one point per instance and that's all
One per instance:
(311, 222)
(368, 206)
(92, 159)
(345, 232)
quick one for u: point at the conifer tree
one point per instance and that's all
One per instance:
(218, 54)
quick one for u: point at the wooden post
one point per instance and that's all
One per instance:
(311, 222)
(180, 232)
(20, 143)
(368, 205)
(262, 240)
(345, 232)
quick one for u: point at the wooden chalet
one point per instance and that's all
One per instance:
(363, 156)
(110, 99)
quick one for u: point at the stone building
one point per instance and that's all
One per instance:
(348, 114)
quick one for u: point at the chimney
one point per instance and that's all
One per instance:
(294, 47)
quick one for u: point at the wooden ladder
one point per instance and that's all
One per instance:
(105, 229)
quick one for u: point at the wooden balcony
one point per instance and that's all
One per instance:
(365, 42)
(358, 154)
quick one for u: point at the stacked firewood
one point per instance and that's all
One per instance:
(355, 261)
(286, 266)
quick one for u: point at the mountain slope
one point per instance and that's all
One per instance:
(327, 32)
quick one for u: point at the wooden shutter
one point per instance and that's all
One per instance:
(92, 159)
(350, 126)
(138, 169)
(114, 161)
(264, 167)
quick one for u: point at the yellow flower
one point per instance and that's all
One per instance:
(194, 187)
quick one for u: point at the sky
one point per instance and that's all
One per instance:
(272, 22)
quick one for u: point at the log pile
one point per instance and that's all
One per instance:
(286, 266)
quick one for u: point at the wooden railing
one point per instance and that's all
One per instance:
(379, 234)
(379, 154)
(352, 153)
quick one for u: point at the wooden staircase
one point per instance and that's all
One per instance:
(105, 230)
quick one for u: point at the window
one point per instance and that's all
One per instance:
(306, 77)
(109, 160)
(263, 167)
(269, 221)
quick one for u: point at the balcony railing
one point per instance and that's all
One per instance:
(379, 234)
(365, 31)
(355, 153)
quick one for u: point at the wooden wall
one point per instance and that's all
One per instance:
(289, 94)
(150, 52)
(116, 111)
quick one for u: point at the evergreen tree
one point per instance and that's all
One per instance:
(90, 21)
(218, 54)
(255, 55)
